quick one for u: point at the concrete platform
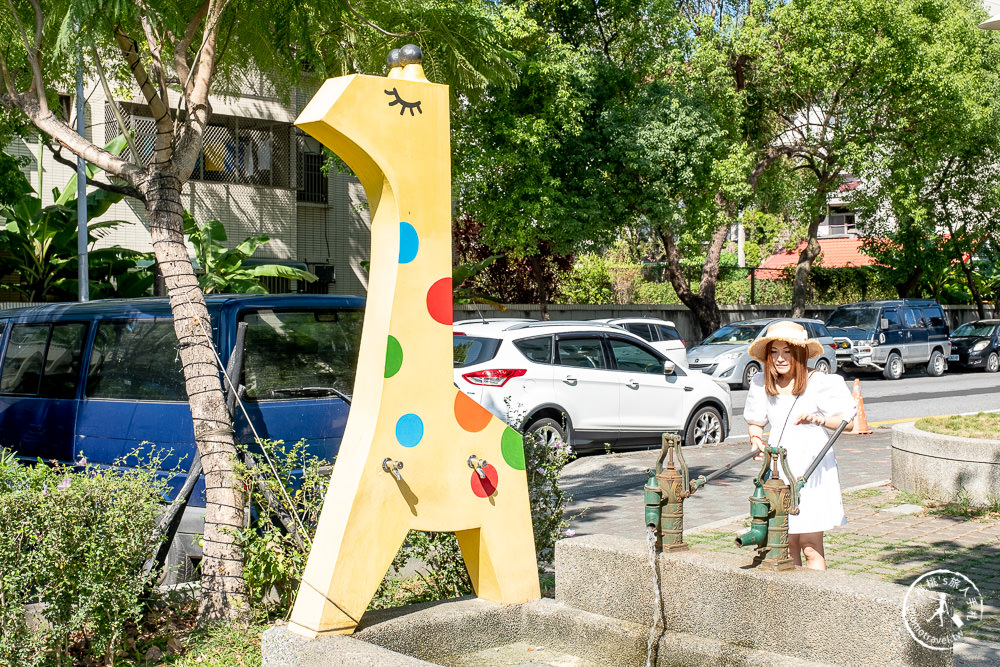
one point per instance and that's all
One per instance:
(715, 612)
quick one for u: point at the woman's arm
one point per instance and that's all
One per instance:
(831, 422)
(756, 440)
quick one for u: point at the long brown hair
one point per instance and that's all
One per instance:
(800, 371)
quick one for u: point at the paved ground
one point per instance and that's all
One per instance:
(889, 535)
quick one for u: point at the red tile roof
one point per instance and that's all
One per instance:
(834, 253)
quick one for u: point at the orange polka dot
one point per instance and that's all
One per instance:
(470, 415)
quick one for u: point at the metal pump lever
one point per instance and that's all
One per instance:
(801, 481)
(393, 467)
(478, 465)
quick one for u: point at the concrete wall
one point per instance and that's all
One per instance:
(683, 318)
(943, 466)
(826, 617)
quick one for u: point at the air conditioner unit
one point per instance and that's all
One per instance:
(325, 272)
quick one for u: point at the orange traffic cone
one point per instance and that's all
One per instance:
(860, 421)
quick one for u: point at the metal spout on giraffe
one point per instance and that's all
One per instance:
(478, 464)
(393, 467)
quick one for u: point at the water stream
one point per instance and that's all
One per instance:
(657, 604)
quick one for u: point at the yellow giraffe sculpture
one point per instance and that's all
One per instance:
(417, 453)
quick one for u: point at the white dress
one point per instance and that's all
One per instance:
(820, 504)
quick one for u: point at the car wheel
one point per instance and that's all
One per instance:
(935, 366)
(992, 363)
(548, 431)
(748, 374)
(823, 366)
(893, 367)
(705, 427)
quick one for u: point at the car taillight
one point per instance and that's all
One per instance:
(495, 377)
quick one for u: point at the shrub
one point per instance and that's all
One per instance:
(288, 480)
(72, 546)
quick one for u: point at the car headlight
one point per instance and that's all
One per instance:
(980, 346)
(730, 356)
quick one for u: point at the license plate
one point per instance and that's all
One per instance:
(952, 357)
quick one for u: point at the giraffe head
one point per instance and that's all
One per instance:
(390, 130)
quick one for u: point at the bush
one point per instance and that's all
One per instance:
(72, 546)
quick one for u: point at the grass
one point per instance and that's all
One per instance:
(984, 425)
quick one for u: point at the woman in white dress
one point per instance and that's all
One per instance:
(800, 405)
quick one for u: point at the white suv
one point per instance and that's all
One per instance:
(586, 384)
(661, 334)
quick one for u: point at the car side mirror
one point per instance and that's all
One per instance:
(884, 323)
(668, 368)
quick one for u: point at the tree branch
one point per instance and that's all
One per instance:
(128, 191)
(157, 105)
(385, 32)
(48, 123)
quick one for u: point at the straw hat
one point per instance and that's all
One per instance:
(787, 332)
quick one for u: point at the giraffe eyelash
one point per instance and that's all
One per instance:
(403, 104)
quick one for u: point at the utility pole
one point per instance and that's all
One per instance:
(81, 189)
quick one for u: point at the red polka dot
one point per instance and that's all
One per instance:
(484, 488)
(439, 301)
(470, 415)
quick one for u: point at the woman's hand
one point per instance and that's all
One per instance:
(811, 418)
(757, 442)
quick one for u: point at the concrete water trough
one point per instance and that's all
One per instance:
(715, 611)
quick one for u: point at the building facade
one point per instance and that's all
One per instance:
(256, 173)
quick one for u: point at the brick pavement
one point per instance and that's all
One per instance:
(890, 535)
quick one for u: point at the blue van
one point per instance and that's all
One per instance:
(99, 378)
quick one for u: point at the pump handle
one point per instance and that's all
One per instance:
(705, 479)
(812, 467)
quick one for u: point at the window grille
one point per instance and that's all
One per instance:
(312, 182)
(840, 224)
(235, 150)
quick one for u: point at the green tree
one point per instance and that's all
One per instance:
(185, 52)
(525, 167)
(930, 195)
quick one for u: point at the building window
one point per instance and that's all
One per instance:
(235, 150)
(311, 178)
(840, 222)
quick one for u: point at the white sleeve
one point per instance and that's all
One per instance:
(834, 398)
(755, 409)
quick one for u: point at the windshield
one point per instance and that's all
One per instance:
(973, 329)
(844, 318)
(733, 334)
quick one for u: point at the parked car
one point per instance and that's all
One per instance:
(976, 345)
(103, 378)
(725, 353)
(661, 334)
(889, 336)
(586, 384)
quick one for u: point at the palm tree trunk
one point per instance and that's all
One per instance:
(223, 589)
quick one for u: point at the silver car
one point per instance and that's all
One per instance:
(725, 354)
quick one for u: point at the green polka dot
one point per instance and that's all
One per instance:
(512, 448)
(393, 357)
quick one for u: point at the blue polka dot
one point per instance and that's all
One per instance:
(409, 430)
(408, 243)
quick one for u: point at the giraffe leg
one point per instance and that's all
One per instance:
(501, 568)
(353, 550)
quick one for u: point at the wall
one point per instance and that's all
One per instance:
(682, 318)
